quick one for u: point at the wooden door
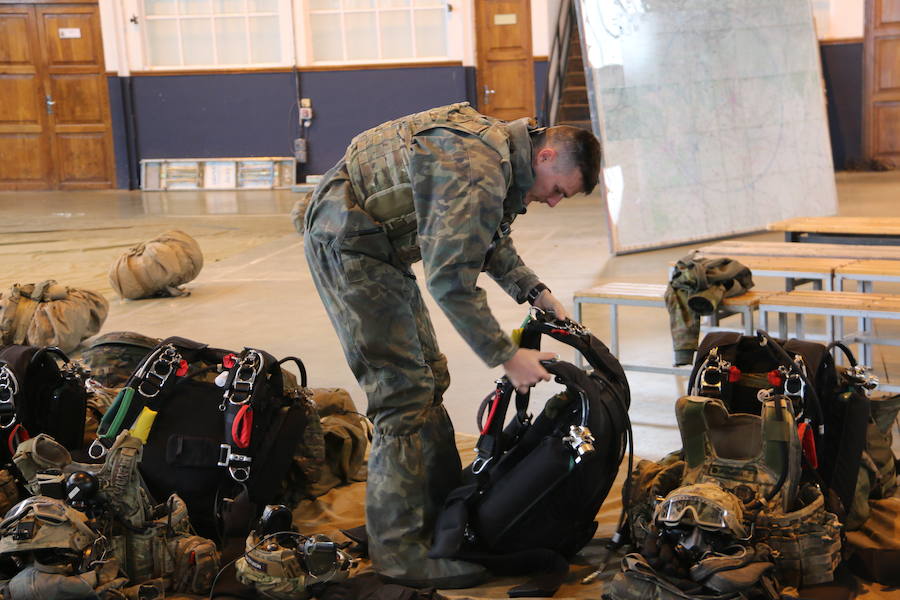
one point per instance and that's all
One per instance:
(505, 76)
(55, 132)
(24, 140)
(881, 76)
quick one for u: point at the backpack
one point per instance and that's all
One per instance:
(536, 485)
(830, 404)
(41, 391)
(218, 426)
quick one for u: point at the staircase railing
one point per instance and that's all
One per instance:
(559, 57)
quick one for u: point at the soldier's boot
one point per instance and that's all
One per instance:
(410, 474)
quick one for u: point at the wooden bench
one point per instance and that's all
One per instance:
(652, 294)
(788, 249)
(840, 230)
(865, 273)
(837, 305)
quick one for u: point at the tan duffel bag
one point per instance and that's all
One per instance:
(157, 267)
(49, 314)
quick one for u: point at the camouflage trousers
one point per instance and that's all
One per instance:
(378, 312)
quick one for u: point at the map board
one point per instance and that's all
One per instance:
(711, 114)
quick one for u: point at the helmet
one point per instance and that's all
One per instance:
(703, 505)
(46, 526)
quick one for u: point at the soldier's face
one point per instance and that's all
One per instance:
(554, 179)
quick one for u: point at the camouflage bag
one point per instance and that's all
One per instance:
(112, 357)
(157, 267)
(877, 471)
(345, 437)
(49, 314)
(166, 549)
(806, 543)
(9, 491)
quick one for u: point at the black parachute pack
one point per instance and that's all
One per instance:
(531, 495)
(830, 403)
(219, 429)
(41, 391)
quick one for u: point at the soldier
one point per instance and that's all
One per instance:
(442, 186)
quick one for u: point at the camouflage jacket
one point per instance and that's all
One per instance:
(446, 184)
(696, 288)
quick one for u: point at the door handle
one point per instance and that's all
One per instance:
(488, 92)
(49, 102)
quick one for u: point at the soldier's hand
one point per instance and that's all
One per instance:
(547, 301)
(524, 369)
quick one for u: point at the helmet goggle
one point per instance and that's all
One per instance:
(48, 512)
(697, 511)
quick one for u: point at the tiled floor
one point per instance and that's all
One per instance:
(255, 288)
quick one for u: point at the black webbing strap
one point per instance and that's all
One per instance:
(490, 443)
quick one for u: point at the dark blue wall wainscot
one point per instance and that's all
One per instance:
(348, 102)
(842, 65)
(255, 114)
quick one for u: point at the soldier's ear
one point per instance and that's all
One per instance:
(545, 154)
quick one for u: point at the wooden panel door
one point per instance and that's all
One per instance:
(55, 126)
(505, 76)
(881, 73)
(24, 138)
(76, 85)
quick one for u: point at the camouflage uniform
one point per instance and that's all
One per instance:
(442, 186)
(696, 288)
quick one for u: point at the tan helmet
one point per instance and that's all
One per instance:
(42, 523)
(705, 505)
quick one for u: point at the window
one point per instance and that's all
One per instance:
(203, 33)
(374, 30)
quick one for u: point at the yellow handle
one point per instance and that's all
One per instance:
(517, 336)
(143, 424)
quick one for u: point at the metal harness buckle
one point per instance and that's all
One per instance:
(9, 387)
(240, 472)
(157, 370)
(248, 369)
(712, 373)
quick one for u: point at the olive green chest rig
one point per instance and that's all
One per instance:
(378, 163)
(749, 455)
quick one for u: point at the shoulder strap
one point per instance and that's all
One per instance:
(693, 428)
(575, 335)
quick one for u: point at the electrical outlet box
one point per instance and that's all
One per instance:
(306, 113)
(300, 153)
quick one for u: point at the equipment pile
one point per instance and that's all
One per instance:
(218, 434)
(782, 452)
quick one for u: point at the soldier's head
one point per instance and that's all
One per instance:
(566, 161)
